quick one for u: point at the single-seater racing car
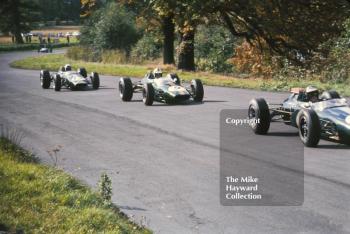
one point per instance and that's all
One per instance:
(155, 87)
(66, 77)
(325, 116)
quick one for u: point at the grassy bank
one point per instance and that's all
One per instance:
(39, 199)
(53, 62)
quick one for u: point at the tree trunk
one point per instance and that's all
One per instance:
(186, 51)
(16, 22)
(169, 37)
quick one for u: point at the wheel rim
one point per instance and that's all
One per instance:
(193, 90)
(303, 128)
(144, 95)
(121, 89)
(252, 115)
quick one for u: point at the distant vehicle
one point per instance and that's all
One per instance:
(45, 48)
(167, 89)
(76, 34)
(73, 80)
(37, 34)
(320, 117)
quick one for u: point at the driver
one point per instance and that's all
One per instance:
(157, 72)
(312, 94)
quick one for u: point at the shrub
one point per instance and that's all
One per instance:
(105, 188)
(147, 48)
(84, 53)
(112, 27)
(214, 48)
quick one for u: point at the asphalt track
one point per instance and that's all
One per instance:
(164, 160)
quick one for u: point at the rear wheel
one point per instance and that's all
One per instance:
(125, 89)
(58, 83)
(309, 127)
(148, 94)
(95, 80)
(197, 90)
(45, 79)
(327, 95)
(259, 112)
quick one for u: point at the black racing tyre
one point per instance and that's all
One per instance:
(327, 95)
(58, 82)
(309, 127)
(82, 71)
(175, 78)
(148, 94)
(197, 90)
(125, 89)
(45, 79)
(259, 110)
(95, 80)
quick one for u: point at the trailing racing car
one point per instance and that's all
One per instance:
(45, 48)
(325, 116)
(66, 77)
(155, 87)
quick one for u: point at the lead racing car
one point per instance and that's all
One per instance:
(325, 116)
(155, 87)
(66, 77)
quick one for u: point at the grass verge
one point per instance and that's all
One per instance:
(53, 62)
(39, 199)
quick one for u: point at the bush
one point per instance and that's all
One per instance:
(213, 49)
(84, 53)
(336, 67)
(112, 27)
(147, 48)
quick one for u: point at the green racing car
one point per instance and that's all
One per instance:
(325, 116)
(155, 87)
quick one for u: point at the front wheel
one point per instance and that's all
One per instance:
(259, 114)
(95, 80)
(125, 89)
(197, 90)
(45, 79)
(309, 127)
(148, 94)
(58, 83)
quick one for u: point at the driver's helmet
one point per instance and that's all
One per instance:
(157, 73)
(312, 93)
(67, 67)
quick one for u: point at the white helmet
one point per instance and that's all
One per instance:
(311, 89)
(312, 93)
(67, 67)
(157, 72)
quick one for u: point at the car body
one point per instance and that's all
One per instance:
(327, 118)
(66, 77)
(44, 48)
(163, 89)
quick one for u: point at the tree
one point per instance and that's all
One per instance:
(294, 29)
(111, 27)
(156, 17)
(17, 16)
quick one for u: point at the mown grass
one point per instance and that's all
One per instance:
(39, 199)
(53, 62)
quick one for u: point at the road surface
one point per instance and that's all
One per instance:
(164, 160)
